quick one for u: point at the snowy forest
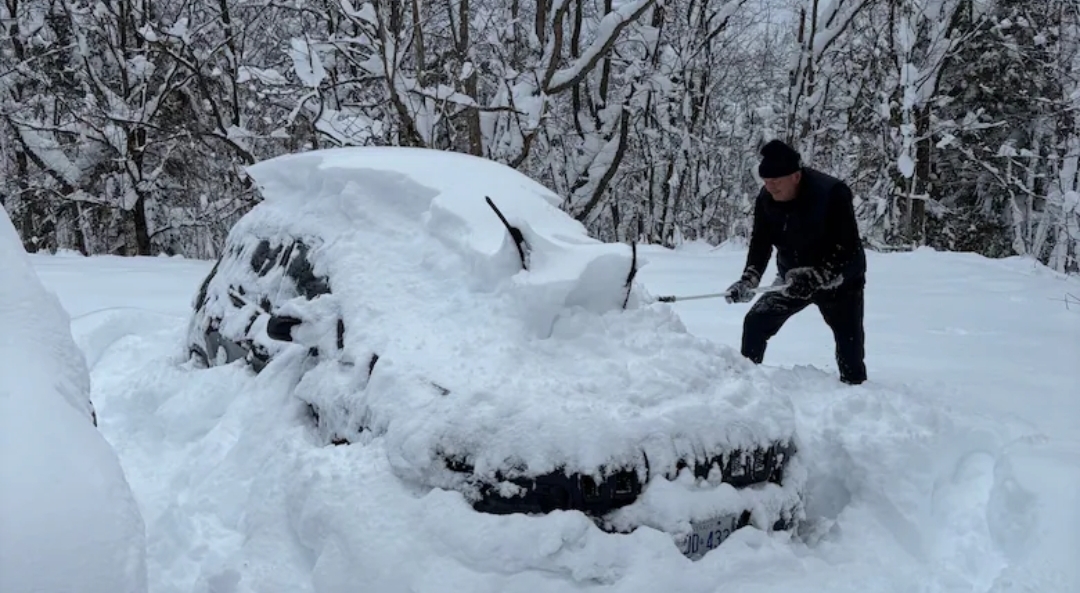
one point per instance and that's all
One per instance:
(126, 125)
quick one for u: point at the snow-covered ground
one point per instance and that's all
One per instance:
(955, 468)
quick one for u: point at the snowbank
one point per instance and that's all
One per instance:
(68, 520)
(475, 357)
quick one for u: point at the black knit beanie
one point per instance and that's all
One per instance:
(778, 159)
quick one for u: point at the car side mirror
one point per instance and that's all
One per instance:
(279, 327)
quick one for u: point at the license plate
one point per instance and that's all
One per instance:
(708, 535)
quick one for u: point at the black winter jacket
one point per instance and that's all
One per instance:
(817, 229)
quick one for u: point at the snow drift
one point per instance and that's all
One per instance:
(68, 520)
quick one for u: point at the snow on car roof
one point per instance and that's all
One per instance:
(36, 330)
(539, 368)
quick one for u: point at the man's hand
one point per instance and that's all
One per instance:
(803, 282)
(743, 290)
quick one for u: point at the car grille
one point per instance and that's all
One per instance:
(596, 497)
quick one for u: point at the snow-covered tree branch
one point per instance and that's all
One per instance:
(125, 125)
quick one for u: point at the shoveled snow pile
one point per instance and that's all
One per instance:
(473, 356)
(68, 520)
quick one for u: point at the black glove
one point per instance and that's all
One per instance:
(743, 290)
(803, 282)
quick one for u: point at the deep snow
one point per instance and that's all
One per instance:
(68, 519)
(955, 468)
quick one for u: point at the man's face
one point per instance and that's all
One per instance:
(783, 189)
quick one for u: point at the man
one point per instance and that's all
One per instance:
(808, 216)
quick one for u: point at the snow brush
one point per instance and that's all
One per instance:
(713, 295)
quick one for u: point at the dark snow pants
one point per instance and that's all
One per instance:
(842, 310)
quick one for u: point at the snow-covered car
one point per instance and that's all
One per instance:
(68, 518)
(444, 304)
